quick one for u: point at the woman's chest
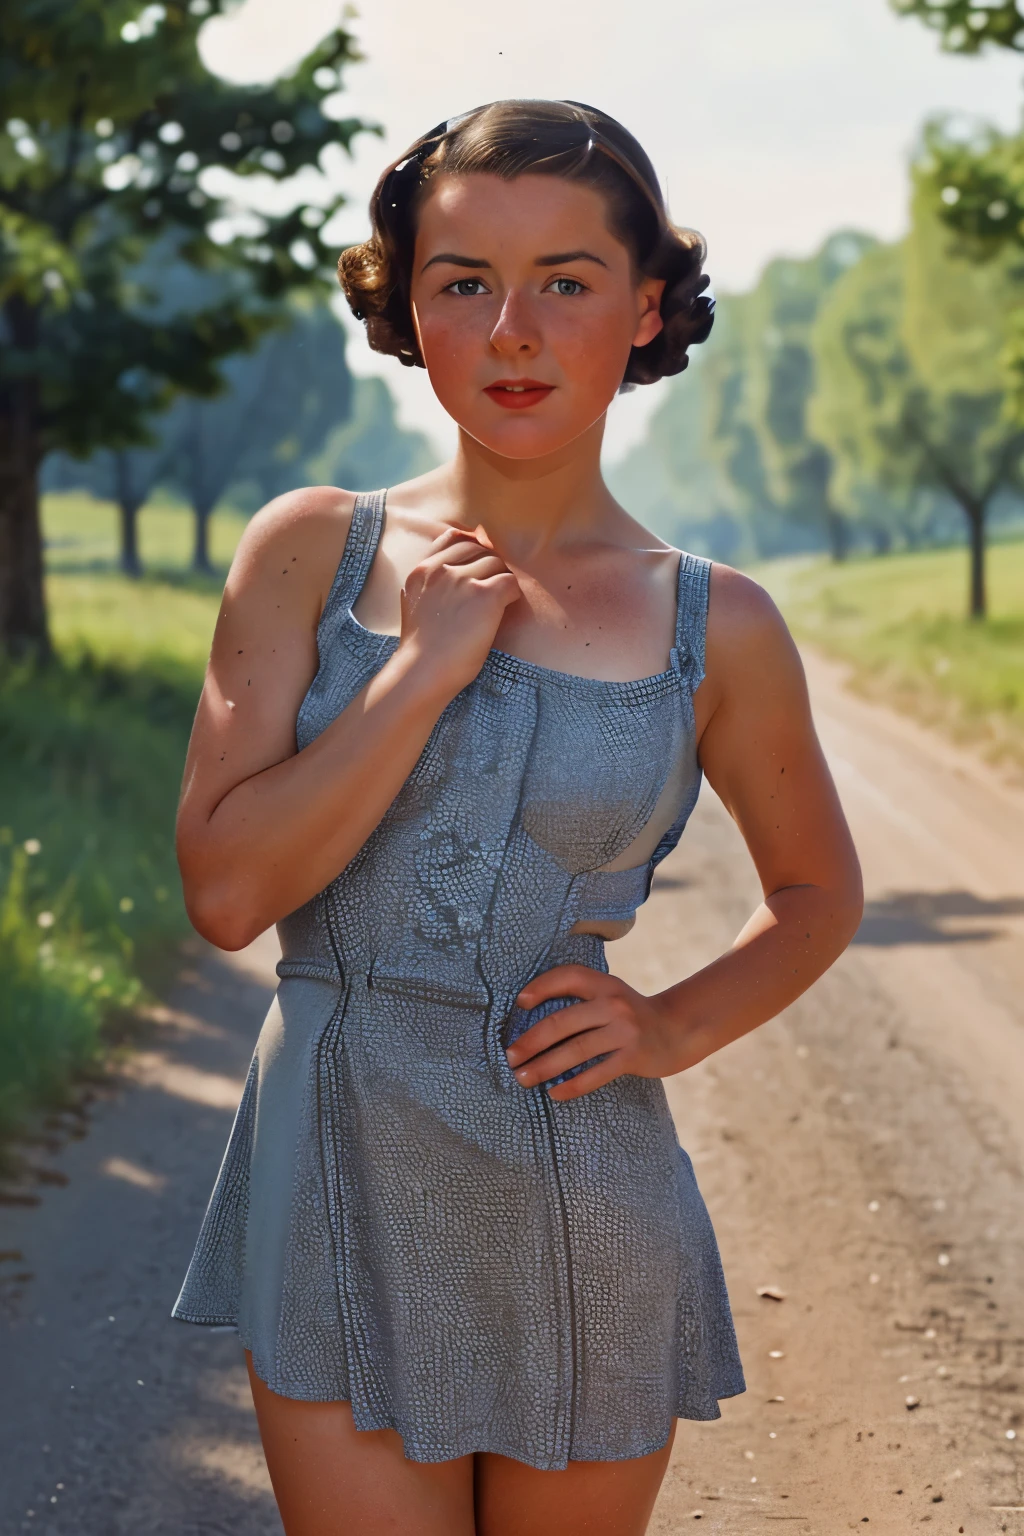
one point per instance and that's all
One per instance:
(587, 779)
(588, 771)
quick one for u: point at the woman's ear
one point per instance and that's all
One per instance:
(649, 321)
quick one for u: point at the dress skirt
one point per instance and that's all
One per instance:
(397, 1223)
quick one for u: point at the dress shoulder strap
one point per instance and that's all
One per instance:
(692, 617)
(357, 556)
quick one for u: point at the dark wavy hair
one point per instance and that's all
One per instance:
(549, 138)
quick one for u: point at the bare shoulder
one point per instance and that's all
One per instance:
(749, 647)
(299, 538)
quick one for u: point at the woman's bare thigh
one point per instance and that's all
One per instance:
(590, 1498)
(331, 1479)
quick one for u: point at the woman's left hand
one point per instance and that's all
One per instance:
(634, 1034)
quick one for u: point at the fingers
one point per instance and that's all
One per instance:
(566, 981)
(485, 567)
(459, 539)
(602, 1072)
(504, 585)
(551, 1031)
(455, 552)
(562, 1058)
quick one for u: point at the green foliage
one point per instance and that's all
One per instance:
(976, 181)
(113, 126)
(911, 385)
(779, 376)
(730, 461)
(370, 450)
(670, 482)
(292, 416)
(91, 750)
(733, 441)
(90, 760)
(965, 26)
(56, 993)
(976, 186)
(112, 120)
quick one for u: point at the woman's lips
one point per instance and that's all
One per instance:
(518, 394)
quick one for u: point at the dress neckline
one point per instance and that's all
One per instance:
(514, 668)
(511, 668)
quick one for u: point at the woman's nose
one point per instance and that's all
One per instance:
(516, 332)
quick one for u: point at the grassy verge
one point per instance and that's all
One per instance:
(91, 750)
(899, 621)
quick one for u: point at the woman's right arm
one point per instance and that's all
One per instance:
(263, 827)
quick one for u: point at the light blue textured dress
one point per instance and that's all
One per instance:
(397, 1223)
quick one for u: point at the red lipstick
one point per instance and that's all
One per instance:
(518, 394)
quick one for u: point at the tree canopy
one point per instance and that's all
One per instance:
(112, 124)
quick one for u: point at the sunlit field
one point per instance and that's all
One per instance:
(899, 620)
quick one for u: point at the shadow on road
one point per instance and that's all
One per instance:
(935, 917)
(114, 1419)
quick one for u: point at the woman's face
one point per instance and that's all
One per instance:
(526, 307)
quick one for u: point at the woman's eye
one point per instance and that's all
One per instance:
(467, 287)
(567, 287)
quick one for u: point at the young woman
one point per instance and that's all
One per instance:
(467, 1258)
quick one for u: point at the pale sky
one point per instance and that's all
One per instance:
(771, 122)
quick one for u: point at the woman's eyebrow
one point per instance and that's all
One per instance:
(563, 257)
(453, 260)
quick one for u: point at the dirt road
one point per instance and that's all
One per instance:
(863, 1155)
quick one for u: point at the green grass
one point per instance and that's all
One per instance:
(899, 621)
(82, 535)
(91, 751)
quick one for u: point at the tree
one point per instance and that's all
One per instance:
(125, 476)
(911, 389)
(112, 120)
(732, 438)
(134, 473)
(308, 395)
(276, 409)
(370, 450)
(780, 368)
(977, 180)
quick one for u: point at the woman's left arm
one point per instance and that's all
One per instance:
(760, 753)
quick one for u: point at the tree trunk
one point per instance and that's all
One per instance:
(201, 547)
(975, 514)
(23, 629)
(131, 565)
(838, 534)
(128, 503)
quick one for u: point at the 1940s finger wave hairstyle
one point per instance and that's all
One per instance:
(549, 138)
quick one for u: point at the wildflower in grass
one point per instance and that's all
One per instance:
(126, 904)
(32, 845)
(45, 919)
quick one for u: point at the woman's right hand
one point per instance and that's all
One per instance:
(452, 604)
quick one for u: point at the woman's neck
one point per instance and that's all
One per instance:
(527, 506)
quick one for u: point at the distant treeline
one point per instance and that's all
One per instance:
(291, 413)
(863, 396)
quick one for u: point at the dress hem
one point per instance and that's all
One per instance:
(433, 1454)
